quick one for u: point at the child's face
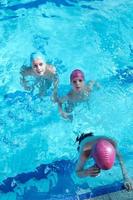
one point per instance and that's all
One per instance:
(78, 84)
(39, 66)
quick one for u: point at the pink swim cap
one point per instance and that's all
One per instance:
(76, 74)
(104, 154)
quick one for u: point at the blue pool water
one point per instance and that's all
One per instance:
(95, 36)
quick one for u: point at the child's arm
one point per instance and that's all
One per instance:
(60, 102)
(25, 72)
(91, 84)
(55, 78)
(128, 183)
(81, 172)
(55, 89)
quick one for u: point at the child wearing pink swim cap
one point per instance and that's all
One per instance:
(77, 74)
(103, 150)
(79, 93)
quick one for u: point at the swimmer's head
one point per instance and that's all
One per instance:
(38, 63)
(77, 80)
(77, 73)
(104, 154)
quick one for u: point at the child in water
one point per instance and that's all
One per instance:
(86, 147)
(79, 93)
(43, 73)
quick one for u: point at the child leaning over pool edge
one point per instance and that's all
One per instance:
(86, 146)
(44, 74)
(79, 93)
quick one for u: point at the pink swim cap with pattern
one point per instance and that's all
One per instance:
(77, 73)
(104, 154)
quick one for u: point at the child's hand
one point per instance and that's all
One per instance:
(97, 85)
(41, 93)
(70, 117)
(91, 85)
(93, 171)
(94, 83)
(28, 88)
(25, 85)
(128, 184)
(67, 116)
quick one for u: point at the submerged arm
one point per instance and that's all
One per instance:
(55, 89)
(55, 78)
(60, 106)
(81, 172)
(91, 84)
(25, 72)
(64, 114)
(128, 183)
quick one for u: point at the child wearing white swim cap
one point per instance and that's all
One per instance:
(44, 73)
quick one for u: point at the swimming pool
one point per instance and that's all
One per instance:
(95, 36)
